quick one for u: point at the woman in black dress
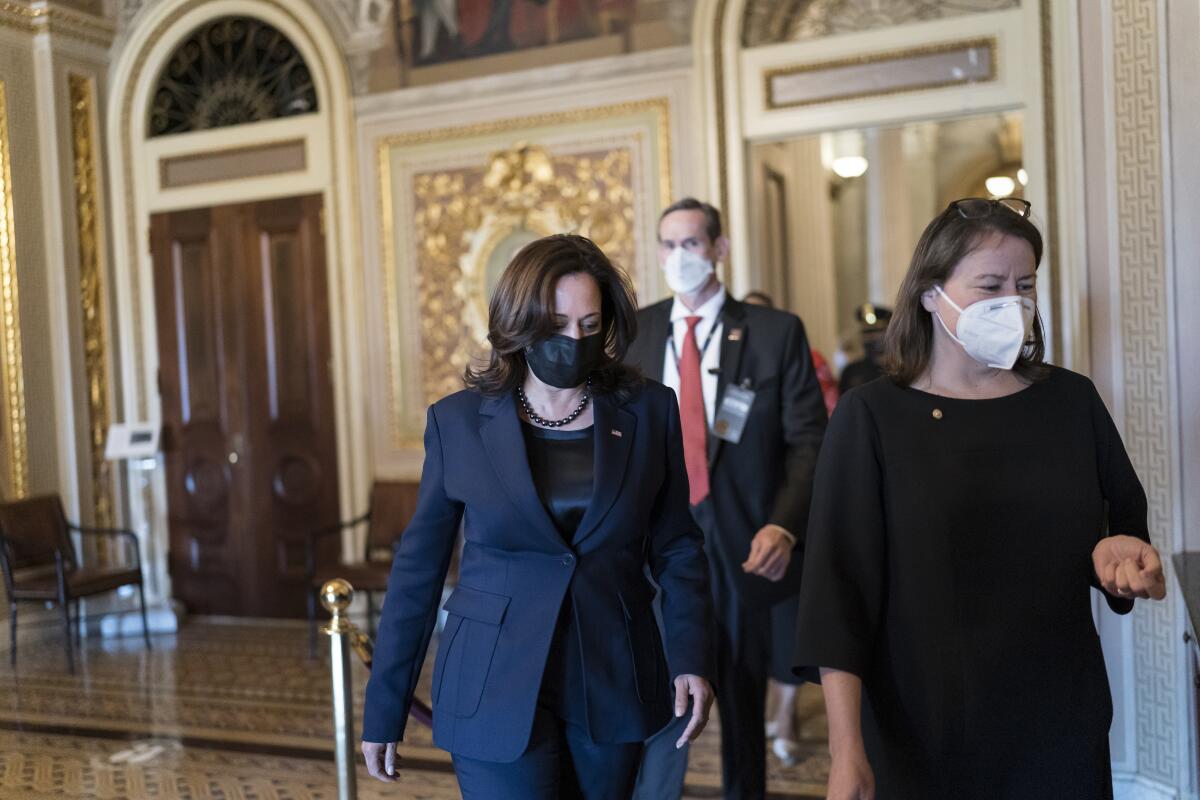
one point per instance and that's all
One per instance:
(963, 506)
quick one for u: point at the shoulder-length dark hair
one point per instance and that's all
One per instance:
(947, 240)
(521, 312)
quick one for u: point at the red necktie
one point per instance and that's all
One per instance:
(692, 416)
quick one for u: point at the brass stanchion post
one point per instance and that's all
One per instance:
(336, 596)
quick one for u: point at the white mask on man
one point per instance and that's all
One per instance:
(992, 331)
(685, 271)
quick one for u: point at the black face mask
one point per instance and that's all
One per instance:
(563, 362)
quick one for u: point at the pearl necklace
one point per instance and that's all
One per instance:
(555, 423)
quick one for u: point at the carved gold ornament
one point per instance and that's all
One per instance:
(447, 241)
(469, 222)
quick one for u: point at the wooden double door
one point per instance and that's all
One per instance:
(247, 398)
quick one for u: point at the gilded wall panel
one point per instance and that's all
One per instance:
(470, 222)
(91, 289)
(456, 207)
(14, 472)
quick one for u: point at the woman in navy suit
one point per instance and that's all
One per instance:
(566, 469)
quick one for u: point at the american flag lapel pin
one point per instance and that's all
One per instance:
(616, 433)
(735, 335)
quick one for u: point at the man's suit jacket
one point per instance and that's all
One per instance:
(767, 476)
(517, 568)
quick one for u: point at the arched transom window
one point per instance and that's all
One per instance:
(231, 71)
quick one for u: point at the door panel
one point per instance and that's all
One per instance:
(247, 401)
(293, 415)
(205, 561)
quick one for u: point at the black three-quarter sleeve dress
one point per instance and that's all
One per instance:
(948, 564)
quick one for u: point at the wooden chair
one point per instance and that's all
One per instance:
(391, 507)
(40, 565)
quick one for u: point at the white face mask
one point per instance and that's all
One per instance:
(992, 331)
(685, 271)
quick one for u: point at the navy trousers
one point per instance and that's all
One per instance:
(561, 762)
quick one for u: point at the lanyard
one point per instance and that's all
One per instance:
(704, 349)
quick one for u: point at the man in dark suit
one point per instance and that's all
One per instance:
(753, 418)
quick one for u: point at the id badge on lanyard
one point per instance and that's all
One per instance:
(731, 417)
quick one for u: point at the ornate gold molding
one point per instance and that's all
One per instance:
(660, 105)
(391, 297)
(462, 217)
(988, 43)
(91, 288)
(12, 398)
(18, 16)
(72, 24)
(432, 384)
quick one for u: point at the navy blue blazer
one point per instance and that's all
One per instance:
(516, 570)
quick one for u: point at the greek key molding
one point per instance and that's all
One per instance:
(1145, 355)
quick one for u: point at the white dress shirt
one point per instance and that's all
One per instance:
(710, 358)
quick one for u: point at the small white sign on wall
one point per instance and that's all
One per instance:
(132, 440)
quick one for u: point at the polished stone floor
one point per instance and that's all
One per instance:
(235, 711)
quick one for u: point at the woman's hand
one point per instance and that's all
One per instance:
(850, 777)
(1128, 567)
(701, 693)
(382, 761)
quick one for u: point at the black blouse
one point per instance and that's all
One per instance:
(563, 466)
(948, 564)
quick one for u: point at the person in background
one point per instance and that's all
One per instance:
(825, 376)
(783, 727)
(964, 505)
(565, 467)
(872, 324)
(752, 417)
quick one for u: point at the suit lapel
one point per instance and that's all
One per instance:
(733, 339)
(500, 430)
(614, 430)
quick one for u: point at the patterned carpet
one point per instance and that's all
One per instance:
(238, 712)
